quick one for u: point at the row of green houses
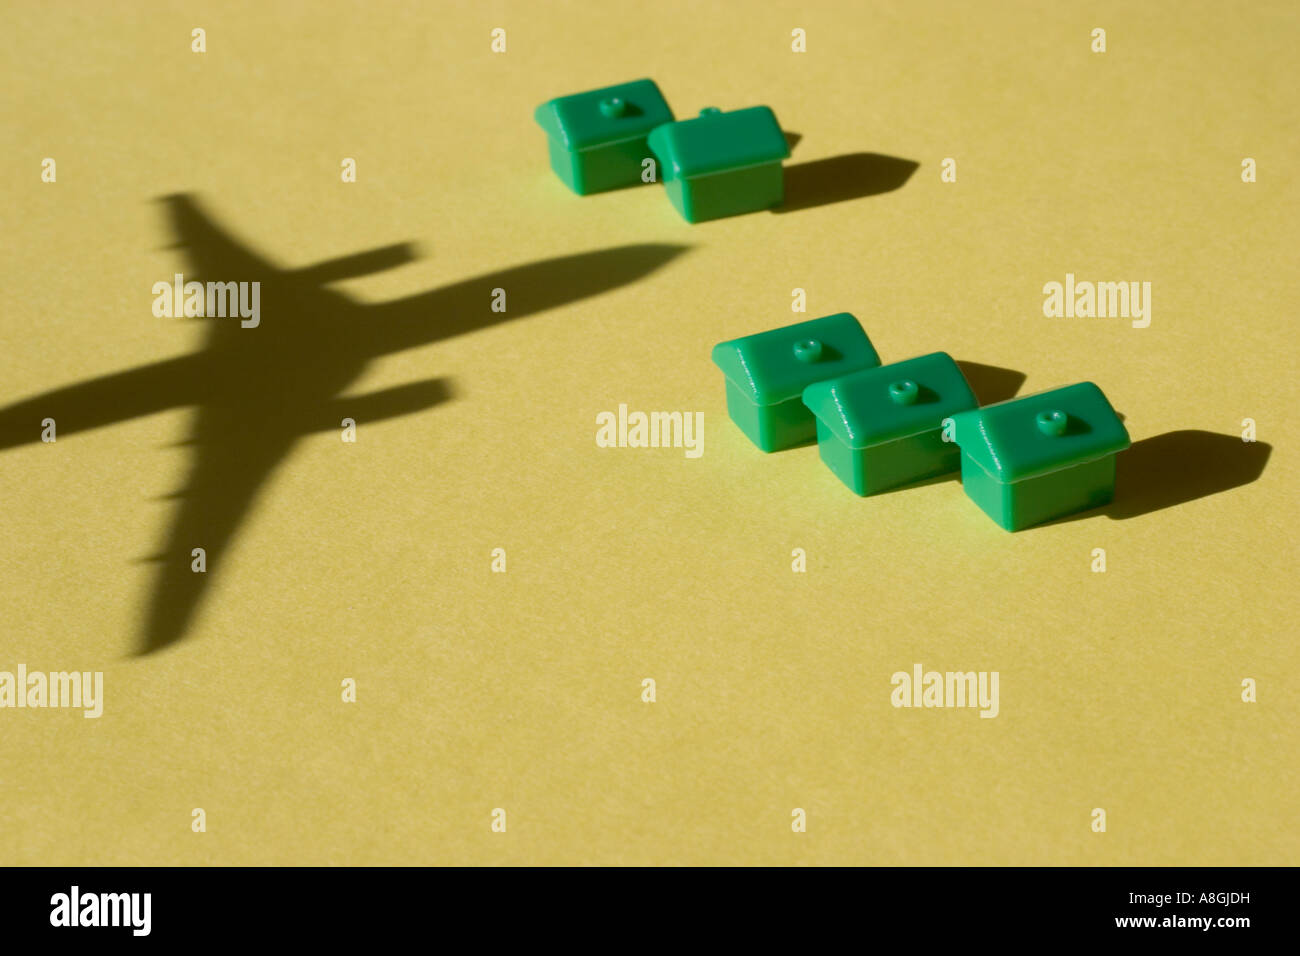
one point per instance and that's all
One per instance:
(1024, 461)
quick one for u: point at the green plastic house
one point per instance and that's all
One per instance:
(598, 138)
(767, 373)
(882, 428)
(722, 164)
(1040, 457)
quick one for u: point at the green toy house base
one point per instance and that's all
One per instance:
(1041, 457)
(1035, 500)
(869, 471)
(771, 427)
(602, 168)
(727, 194)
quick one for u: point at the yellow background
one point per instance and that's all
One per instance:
(522, 690)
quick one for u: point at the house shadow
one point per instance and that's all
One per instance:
(1176, 468)
(991, 383)
(257, 391)
(822, 182)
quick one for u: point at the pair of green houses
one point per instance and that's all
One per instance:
(718, 164)
(1023, 461)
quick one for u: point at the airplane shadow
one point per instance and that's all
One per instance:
(257, 391)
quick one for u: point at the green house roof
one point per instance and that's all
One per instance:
(608, 115)
(891, 402)
(1038, 434)
(777, 365)
(714, 142)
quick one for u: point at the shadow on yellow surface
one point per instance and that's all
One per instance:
(991, 383)
(1175, 468)
(1178, 467)
(257, 390)
(840, 178)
